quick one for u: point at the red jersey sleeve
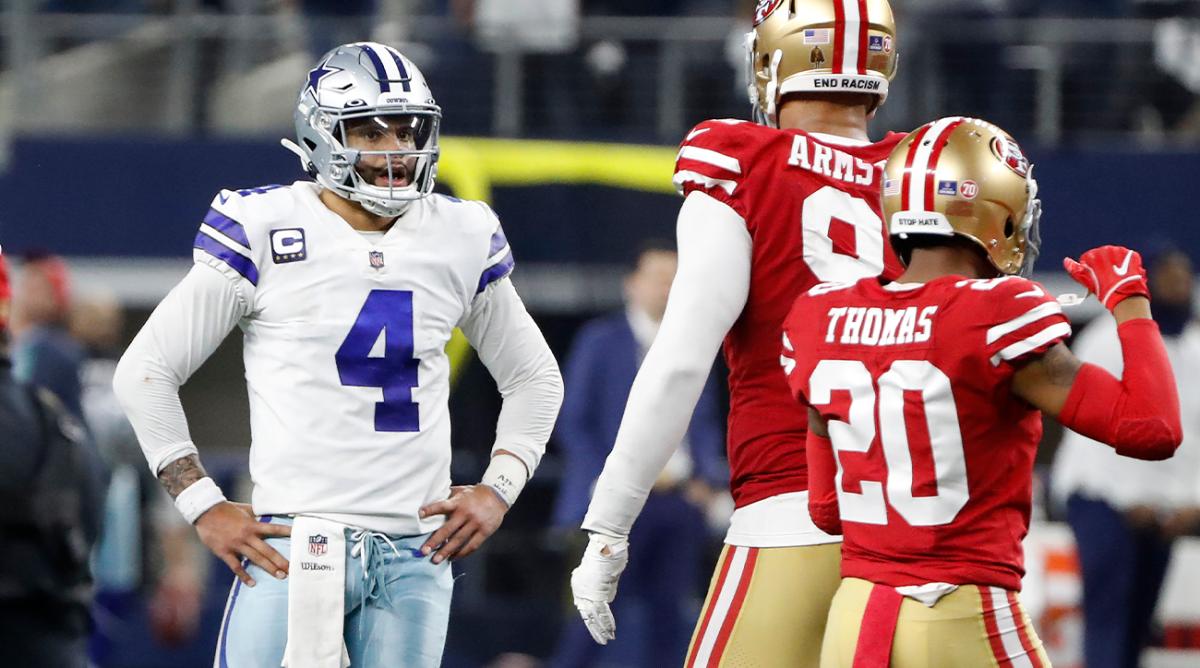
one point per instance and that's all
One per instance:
(793, 333)
(1025, 320)
(715, 158)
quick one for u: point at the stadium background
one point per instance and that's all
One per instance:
(119, 120)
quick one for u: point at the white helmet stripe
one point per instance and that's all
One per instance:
(850, 39)
(918, 177)
(400, 67)
(381, 57)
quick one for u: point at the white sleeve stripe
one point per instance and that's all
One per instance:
(498, 257)
(711, 157)
(221, 238)
(1032, 315)
(1037, 340)
(706, 181)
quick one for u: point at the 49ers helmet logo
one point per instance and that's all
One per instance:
(1010, 154)
(764, 9)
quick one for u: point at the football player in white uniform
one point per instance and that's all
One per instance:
(347, 291)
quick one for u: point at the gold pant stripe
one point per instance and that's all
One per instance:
(766, 607)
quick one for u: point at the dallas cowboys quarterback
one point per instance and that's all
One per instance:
(347, 291)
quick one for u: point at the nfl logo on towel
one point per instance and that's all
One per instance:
(318, 545)
(376, 258)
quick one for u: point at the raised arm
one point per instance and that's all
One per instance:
(1139, 414)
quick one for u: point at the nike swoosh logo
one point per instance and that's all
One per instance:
(1035, 291)
(1124, 268)
(696, 133)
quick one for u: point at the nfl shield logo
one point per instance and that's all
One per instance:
(317, 545)
(376, 258)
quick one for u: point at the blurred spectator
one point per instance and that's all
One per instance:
(666, 546)
(624, 74)
(957, 75)
(543, 35)
(1127, 513)
(50, 499)
(634, 7)
(94, 6)
(334, 22)
(148, 555)
(1171, 87)
(44, 354)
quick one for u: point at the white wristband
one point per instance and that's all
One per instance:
(197, 498)
(507, 475)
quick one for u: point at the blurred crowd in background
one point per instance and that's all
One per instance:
(1058, 70)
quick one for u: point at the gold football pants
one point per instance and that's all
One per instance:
(972, 627)
(766, 607)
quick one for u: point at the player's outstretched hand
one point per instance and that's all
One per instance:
(1112, 273)
(232, 532)
(594, 584)
(473, 513)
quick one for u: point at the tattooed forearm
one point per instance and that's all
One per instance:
(176, 476)
(1061, 366)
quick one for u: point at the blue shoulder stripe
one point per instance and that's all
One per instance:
(498, 241)
(227, 226)
(496, 272)
(236, 261)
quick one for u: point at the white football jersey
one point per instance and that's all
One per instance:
(344, 346)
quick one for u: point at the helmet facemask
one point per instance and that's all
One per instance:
(407, 168)
(1031, 226)
(416, 163)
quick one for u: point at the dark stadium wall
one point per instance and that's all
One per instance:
(107, 197)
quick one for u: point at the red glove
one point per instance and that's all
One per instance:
(1112, 273)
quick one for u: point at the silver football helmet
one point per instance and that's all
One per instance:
(367, 82)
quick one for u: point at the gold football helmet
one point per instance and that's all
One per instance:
(819, 46)
(965, 177)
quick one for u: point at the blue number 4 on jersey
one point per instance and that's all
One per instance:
(389, 312)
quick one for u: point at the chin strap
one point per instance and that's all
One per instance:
(295, 149)
(306, 162)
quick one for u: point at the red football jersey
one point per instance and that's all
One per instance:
(812, 206)
(934, 452)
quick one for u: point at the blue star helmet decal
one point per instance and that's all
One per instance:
(320, 72)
